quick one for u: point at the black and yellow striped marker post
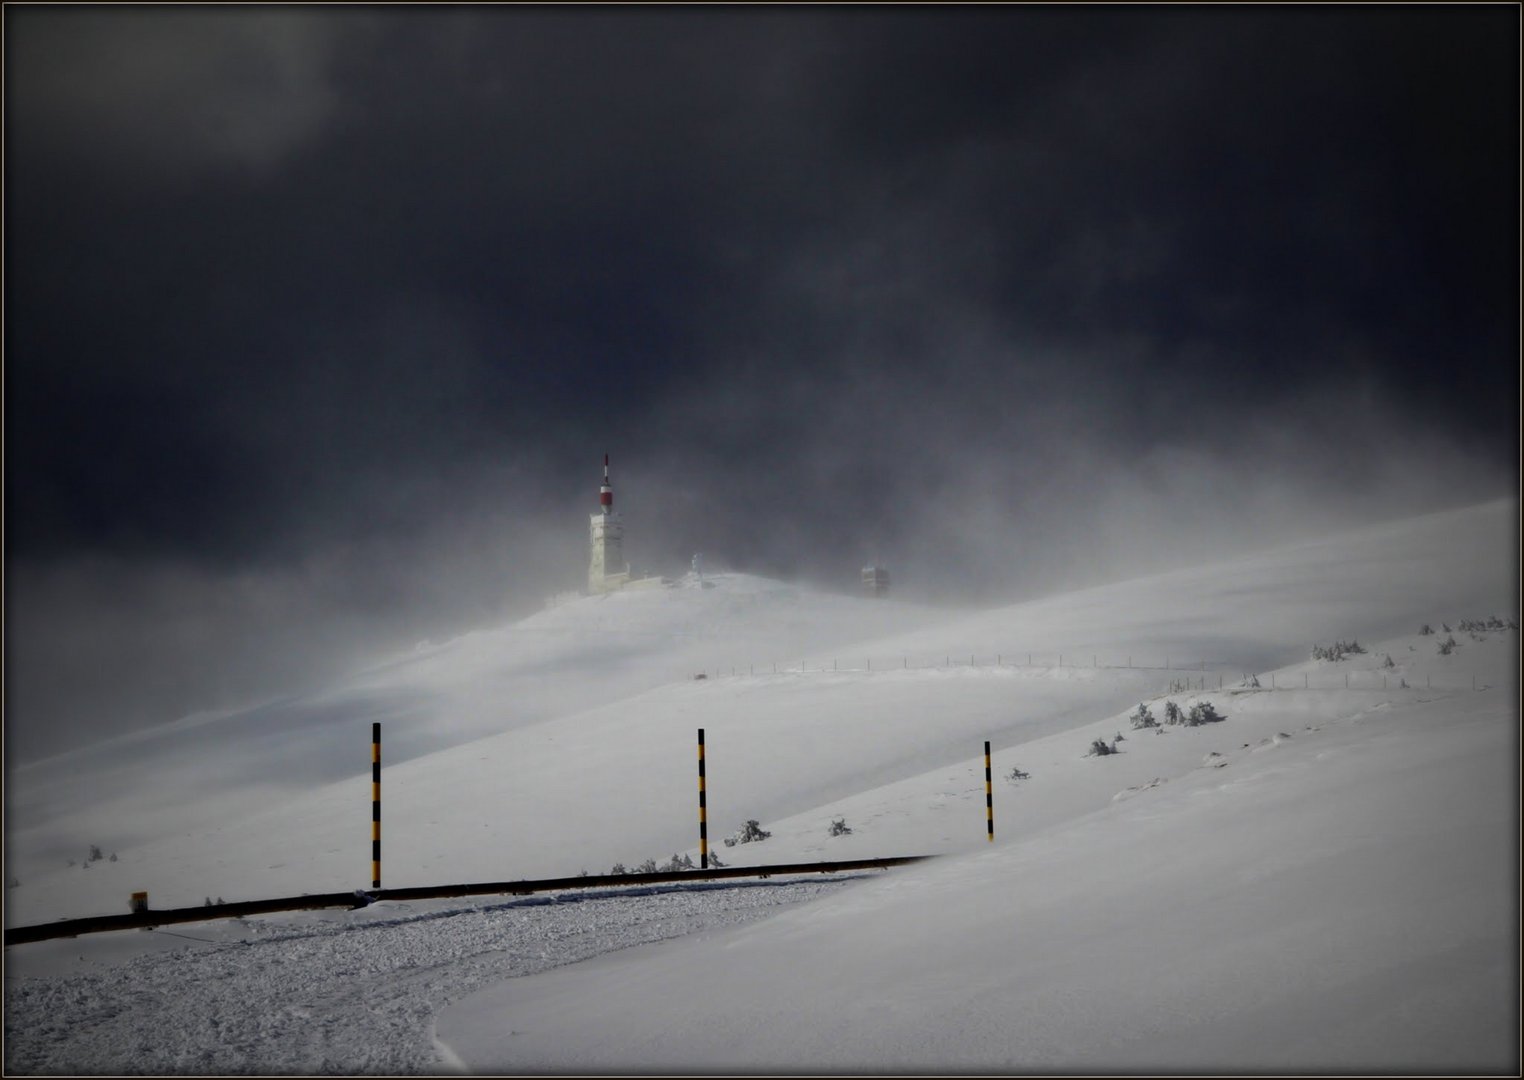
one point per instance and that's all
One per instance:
(703, 810)
(375, 806)
(989, 796)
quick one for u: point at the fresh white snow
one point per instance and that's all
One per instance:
(1325, 879)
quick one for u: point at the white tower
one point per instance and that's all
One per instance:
(606, 570)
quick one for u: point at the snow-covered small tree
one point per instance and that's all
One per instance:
(1425, 630)
(1447, 646)
(750, 833)
(1172, 713)
(1202, 712)
(1142, 718)
(1017, 773)
(1099, 748)
(1388, 662)
(839, 827)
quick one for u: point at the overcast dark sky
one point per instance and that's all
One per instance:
(318, 321)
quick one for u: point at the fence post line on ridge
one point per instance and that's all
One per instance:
(703, 808)
(989, 796)
(375, 805)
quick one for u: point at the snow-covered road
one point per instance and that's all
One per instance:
(328, 992)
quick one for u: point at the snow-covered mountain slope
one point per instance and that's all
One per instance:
(1325, 880)
(209, 769)
(554, 792)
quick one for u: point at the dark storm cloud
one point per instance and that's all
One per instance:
(319, 318)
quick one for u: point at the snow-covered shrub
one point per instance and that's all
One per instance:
(1202, 712)
(1388, 662)
(1172, 713)
(1143, 718)
(1447, 646)
(1425, 630)
(714, 861)
(1337, 651)
(1492, 622)
(1446, 627)
(95, 853)
(1251, 682)
(676, 863)
(839, 827)
(749, 833)
(618, 870)
(647, 867)
(1100, 748)
(1017, 773)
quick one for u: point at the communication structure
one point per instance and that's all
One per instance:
(607, 570)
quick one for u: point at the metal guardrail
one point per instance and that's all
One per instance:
(20, 935)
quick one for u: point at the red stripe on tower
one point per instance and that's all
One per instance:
(606, 493)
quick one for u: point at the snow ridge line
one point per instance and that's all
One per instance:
(17, 935)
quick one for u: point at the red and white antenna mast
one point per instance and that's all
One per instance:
(606, 568)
